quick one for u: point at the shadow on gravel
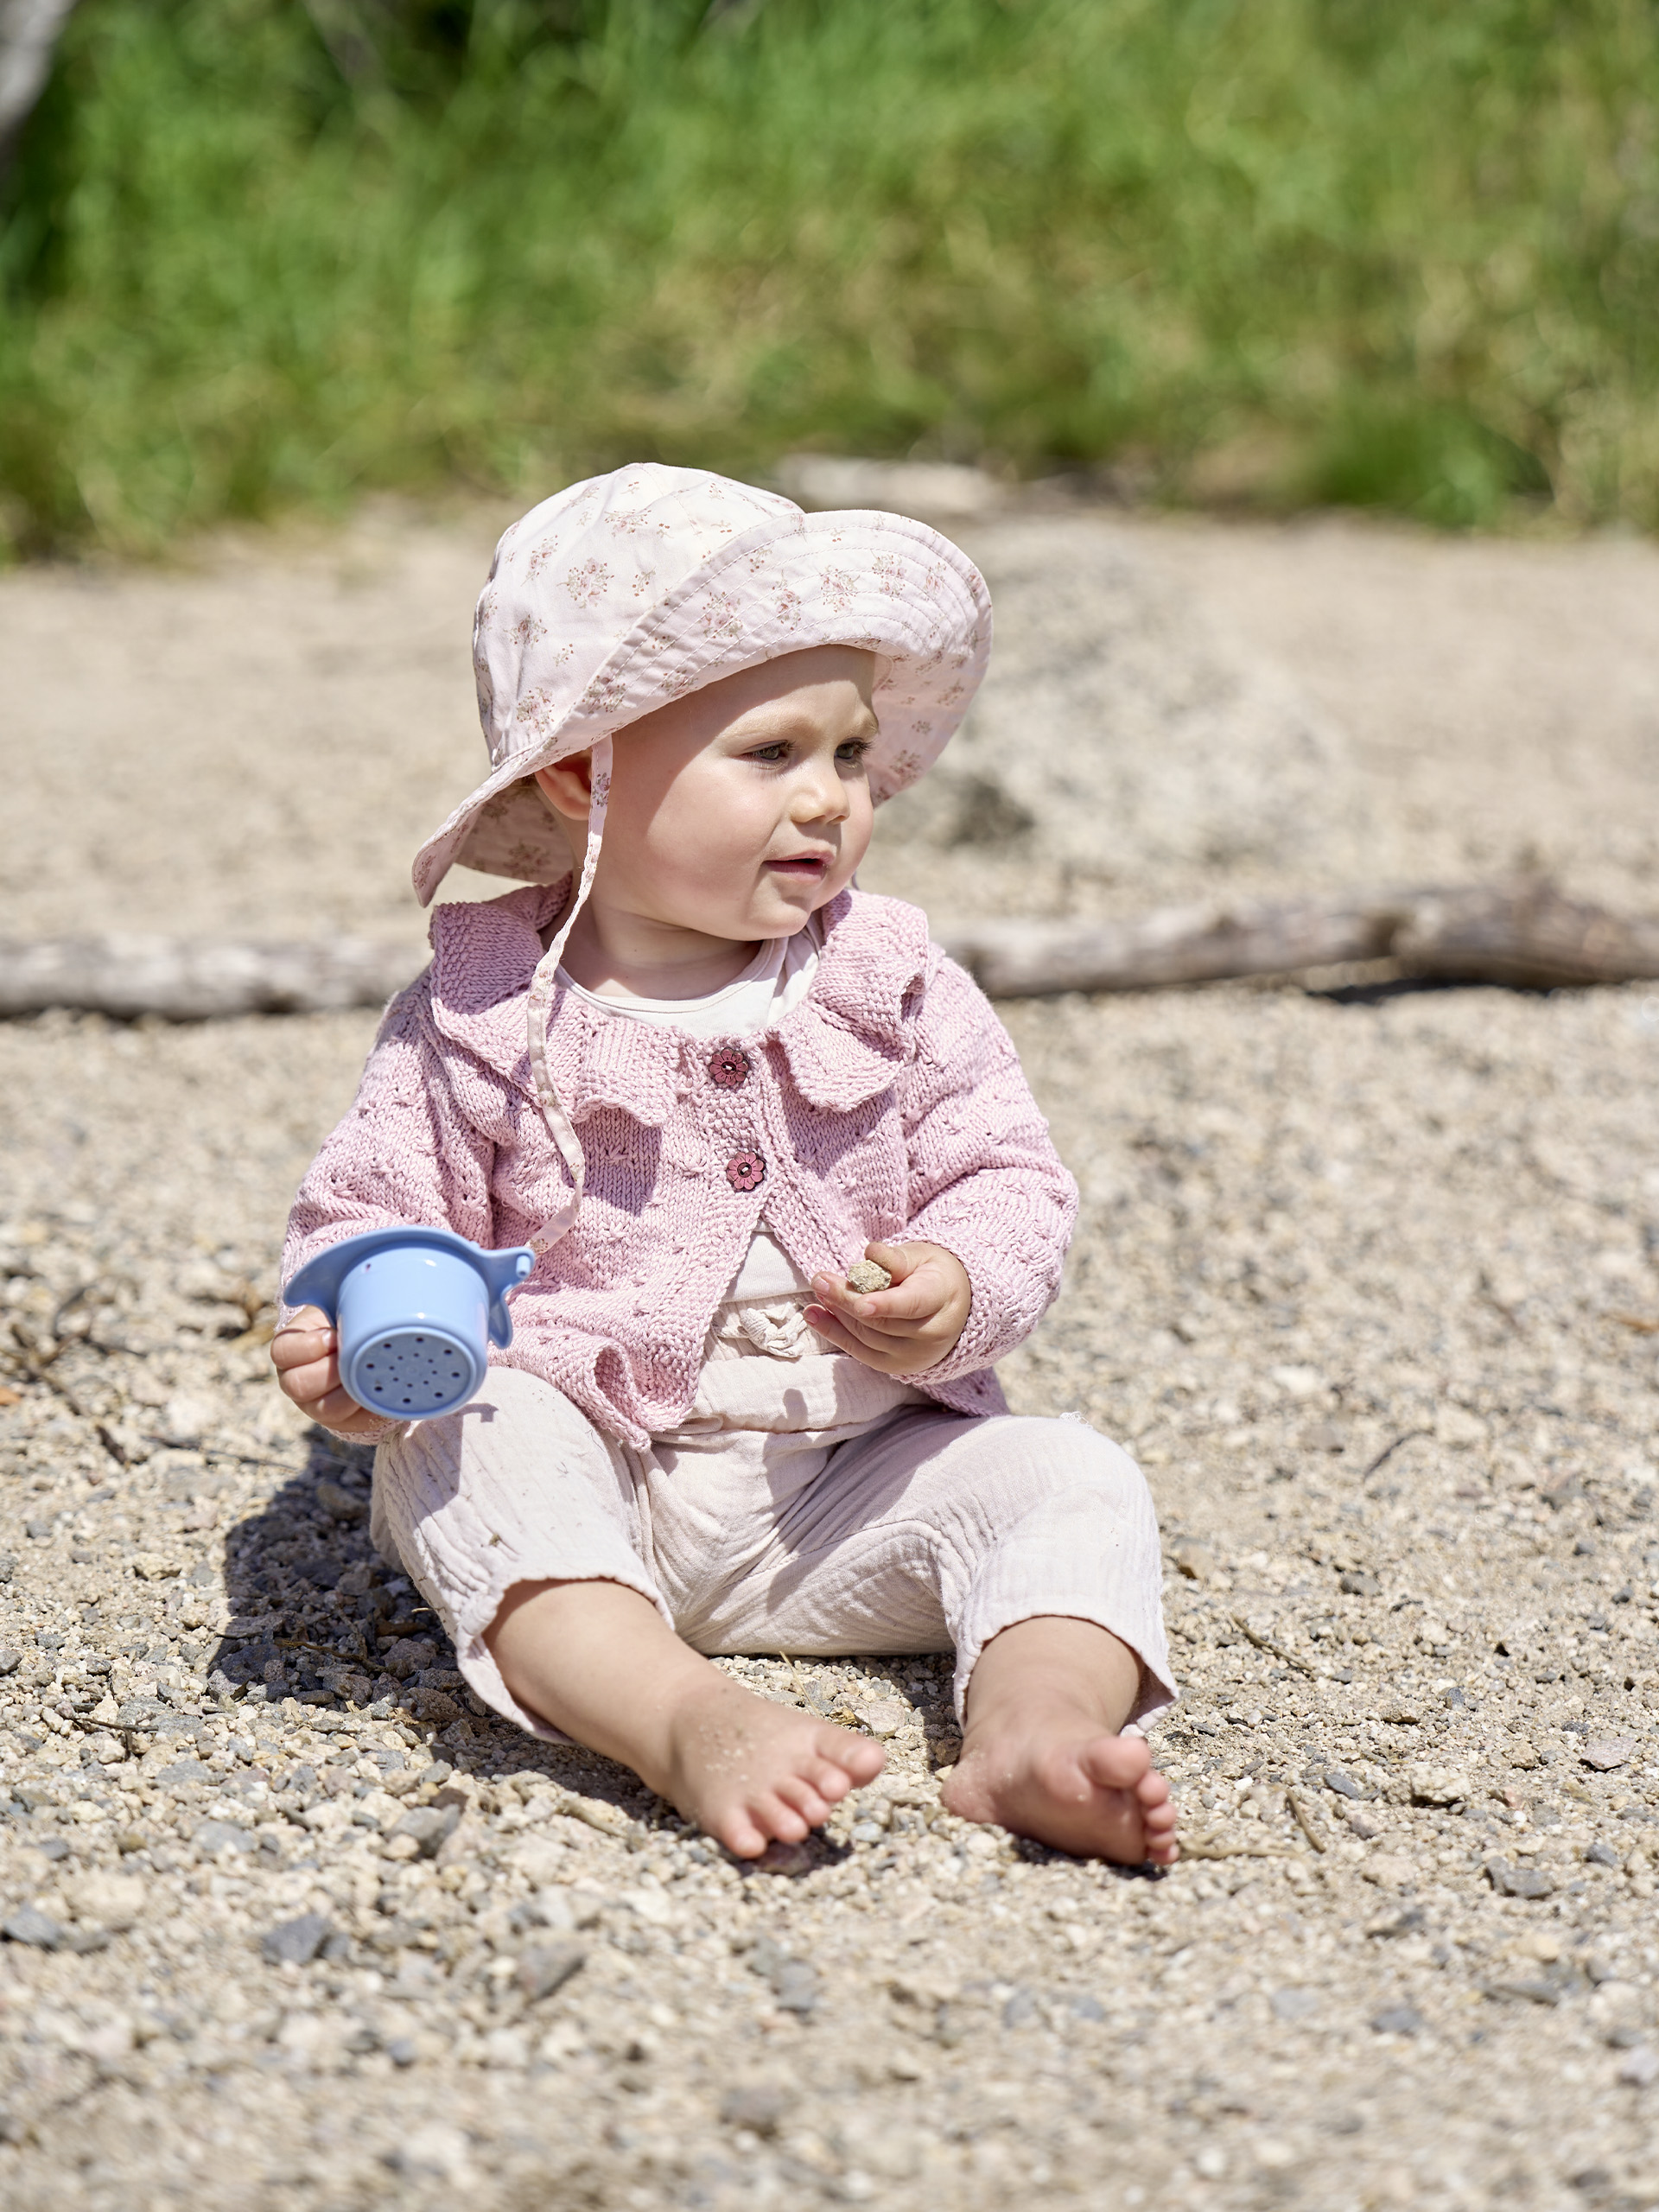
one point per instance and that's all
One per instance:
(1411, 987)
(318, 1618)
(315, 1615)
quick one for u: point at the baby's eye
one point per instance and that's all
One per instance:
(854, 753)
(770, 754)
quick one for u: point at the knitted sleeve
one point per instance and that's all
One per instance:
(985, 1181)
(404, 1151)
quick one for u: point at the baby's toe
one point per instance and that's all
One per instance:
(1116, 1762)
(774, 1813)
(739, 1832)
(859, 1759)
(797, 1791)
(830, 1778)
(1152, 1789)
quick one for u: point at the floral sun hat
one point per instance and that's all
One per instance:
(628, 591)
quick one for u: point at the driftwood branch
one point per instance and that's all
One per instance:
(200, 979)
(1527, 936)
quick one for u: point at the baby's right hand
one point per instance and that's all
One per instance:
(305, 1357)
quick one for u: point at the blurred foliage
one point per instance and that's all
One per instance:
(257, 254)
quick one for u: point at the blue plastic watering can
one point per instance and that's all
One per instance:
(416, 1310)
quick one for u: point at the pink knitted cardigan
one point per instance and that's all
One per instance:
(888, 1104)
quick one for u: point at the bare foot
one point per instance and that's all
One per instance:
(1056, 1775)
(599, 1662)
(1043, 1756)
(747, 1770)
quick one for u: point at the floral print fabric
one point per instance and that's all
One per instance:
(629, 590)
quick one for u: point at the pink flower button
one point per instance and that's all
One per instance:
(746, 1171)
(728, 1067)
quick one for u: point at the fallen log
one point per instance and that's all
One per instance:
(200, 979)
(1527, 935)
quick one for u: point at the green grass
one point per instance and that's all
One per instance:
(1280, 252)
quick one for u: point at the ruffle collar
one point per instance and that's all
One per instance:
(847, 1042)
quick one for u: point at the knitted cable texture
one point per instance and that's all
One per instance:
(889, 1104)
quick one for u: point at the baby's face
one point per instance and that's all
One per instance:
(739, 810)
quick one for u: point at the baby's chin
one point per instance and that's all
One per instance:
(786, 912)
(779, 906)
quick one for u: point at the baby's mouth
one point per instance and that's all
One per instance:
(810, 867)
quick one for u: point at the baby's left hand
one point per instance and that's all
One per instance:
(907, 1327)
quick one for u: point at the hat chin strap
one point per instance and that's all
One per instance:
(543, 986)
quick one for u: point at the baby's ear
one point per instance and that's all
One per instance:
(567, 785)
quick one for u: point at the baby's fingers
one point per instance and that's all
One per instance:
(306, 1338)
(834, 1330)
(900, 1310)
(906, 1306)
(307, 1364)
(310, 1386)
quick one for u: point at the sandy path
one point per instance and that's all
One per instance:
(259, 745)
(1411, 1961)
(1503, 698)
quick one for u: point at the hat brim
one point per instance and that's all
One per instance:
(880, 582)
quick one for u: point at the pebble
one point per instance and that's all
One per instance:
(1605, 1753)
(866, 1277)
(545, 1968)
(112, 1901)
(1437, 1785)
(437, 2151)
(882, 1716)
(793, 1981)
(296, 1942)
(1398, 2020)
(796, 1985)
(1510, 1881)
(1294, 2004)
(1389, 1870)
(342, 1504)
(758, 2106)
(211, 1837)
(1640, 2068)
(782, 1859)
(429, 1827)
(29, 1925)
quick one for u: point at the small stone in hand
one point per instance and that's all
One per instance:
(865, 1277)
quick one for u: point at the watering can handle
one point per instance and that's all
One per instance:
(506, 1270)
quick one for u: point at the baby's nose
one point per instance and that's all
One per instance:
(819, 797)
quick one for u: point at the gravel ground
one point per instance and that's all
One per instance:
(1370, 1282)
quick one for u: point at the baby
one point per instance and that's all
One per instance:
(703, 1075)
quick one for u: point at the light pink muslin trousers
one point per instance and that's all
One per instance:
(807, 1505)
